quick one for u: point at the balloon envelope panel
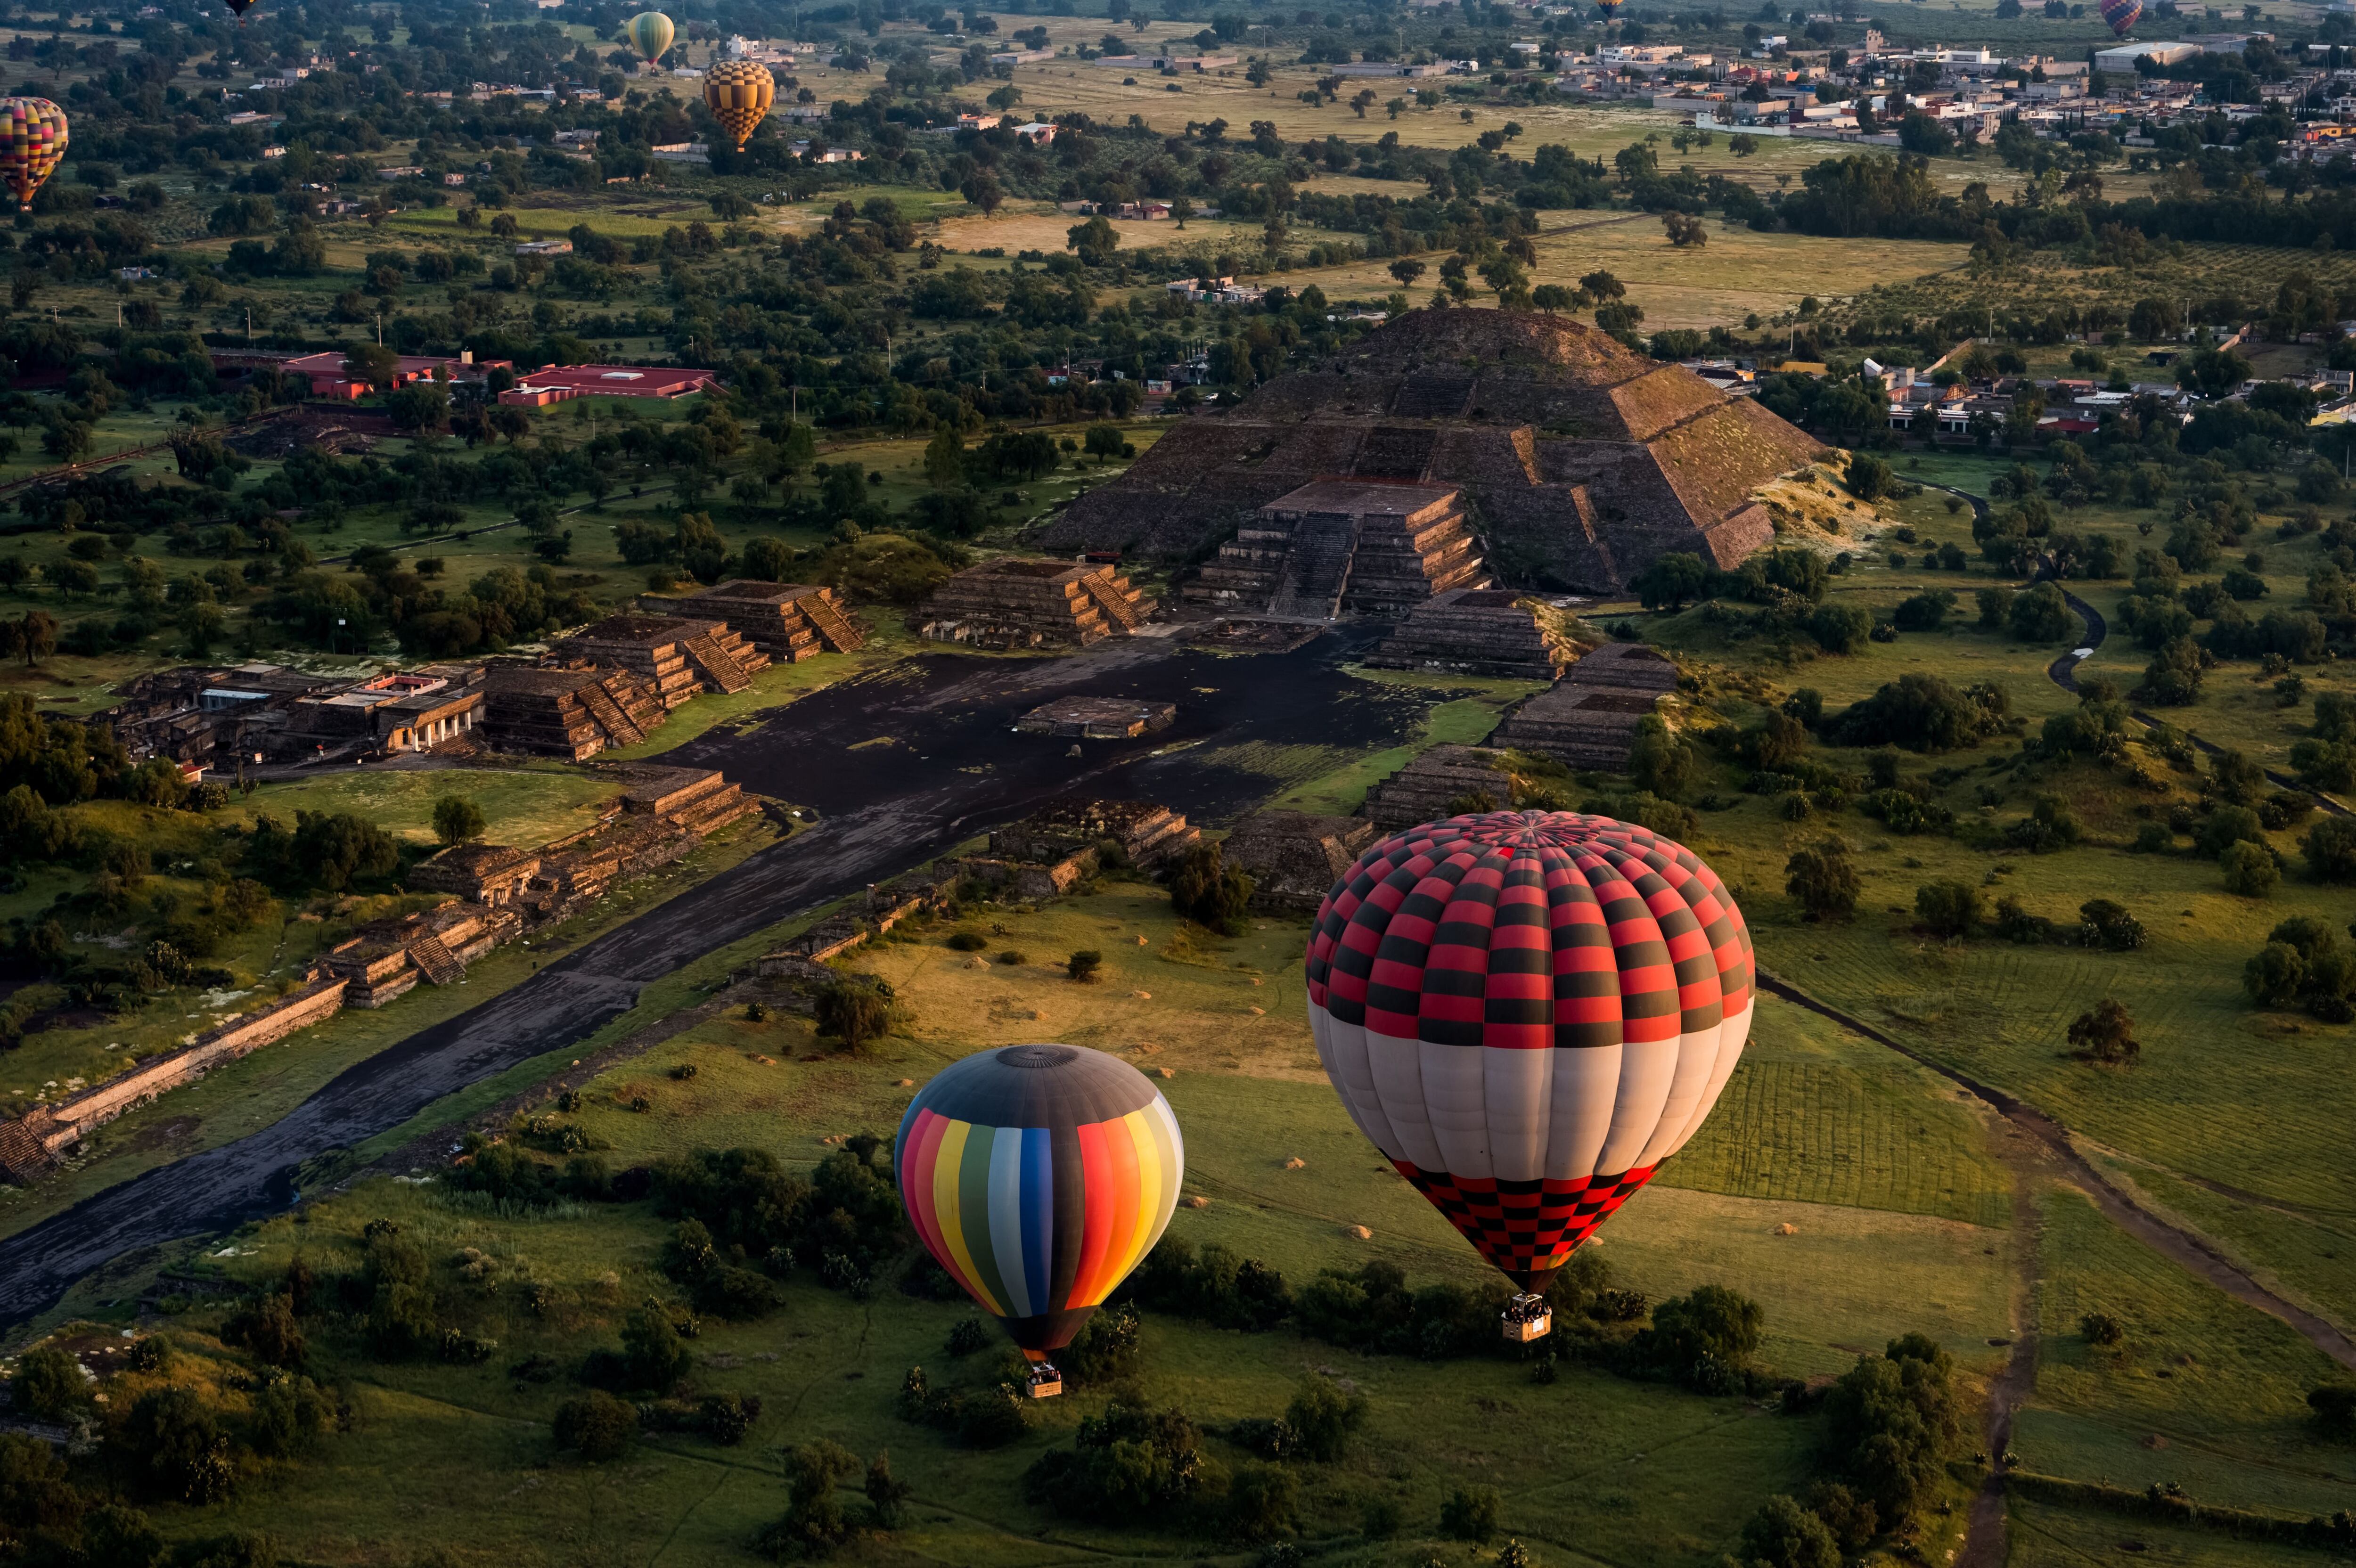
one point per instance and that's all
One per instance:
(33, 136)
(1039, 1175)
(1527, 1012)
(2121, 14)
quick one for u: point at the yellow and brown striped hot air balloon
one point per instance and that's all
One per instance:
(650, 33)
(738, 93)
(32, 141)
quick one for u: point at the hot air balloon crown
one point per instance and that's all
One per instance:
(33, 138)
(1527, 1011)
(1039, 1175)
(738, 93)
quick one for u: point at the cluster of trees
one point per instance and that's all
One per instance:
(1138, 1463)
(845, 1222)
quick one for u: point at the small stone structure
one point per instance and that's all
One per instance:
(1428, 788)
(680, 658)
(800, 962)
(1587, 719)
(1243, 636)
(791, 622)
(665, 812)
(569, 713)
(29, 1144)
(1045, 855)
(1012, 603)
(1365, 545)
(1481, 631)
(489, 874)
(1097, 718)
(384, 960)
(1295, 857)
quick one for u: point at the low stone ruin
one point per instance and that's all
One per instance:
(1588, 718)
(1368, 546)
(1045, 855)
(1097, 718)
(1012, 603)
(1295, 857)
(479, 873)
(680, 658)
(1491, 632)
(384, 960)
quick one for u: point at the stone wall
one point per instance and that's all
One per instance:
(54, 1128)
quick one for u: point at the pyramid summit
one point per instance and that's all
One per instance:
(1577, 461)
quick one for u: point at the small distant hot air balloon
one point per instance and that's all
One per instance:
(1039, 1175)
(1527, 1012)
(240, 7)
(738, 93)
(650, 33)
(1607, 9)
(32, 141)
(2121, 14)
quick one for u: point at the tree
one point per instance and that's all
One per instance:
(2250, 870)
(1659, 761)
(2043, 615)
(856, 1008)
(373, 363)
(1870, 479)
(1206, 889)
(1823, 879)
(457, 820)
(2335, 1410)
(1551, 297)
(1104, 443)
(945, 459)
(2330, 849)
(37, 636)
(1674, 578)
(1470, 1513)
(1407, 270)
(813, 1525)
(1083, 965)
(597, 1425)
(1841, 628)
(1322, 1418)
(2105, 1034)
(982, 189)
(1783, 1534)
(2101, 1328)
(886, 1495)
(655, 1356)
(1684, 230)
(49, 1384)
(1947, 908)
(1095, 240)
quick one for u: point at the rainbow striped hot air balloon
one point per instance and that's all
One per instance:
(1039, 1175)
(738, 93)
(1527, 1012)
(33, 138)
(2121, 14)
(650, 33)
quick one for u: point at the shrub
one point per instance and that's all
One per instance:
(1823, 879)
(1783, 1534)
(652, 1351)
(1840, 628)
(1925, 612)
(1107, 1346)
(1996, 608)
(2250, 870)
(458, 820)
(1470, 1514)
(268, 1328)
(2043, 615)
(170, 1446)
(1260, 1501)
(968, 1337)
(1207, 891)
(2334, 1405)
(49, 1384)
(1700, 1339)
(968, 942)
(1659, 761)
(855, 1010)
(2103, 923)
(2101, 1329)
(1131, 1462)
(1212, 1285)
(813, 1525)
(1780, 740)
(1947, 908)
(1084, 964)
(1922, 713)
(1889, 1421)
(1322, 1417)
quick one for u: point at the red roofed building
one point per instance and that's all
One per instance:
(555, 383)
(329, 378)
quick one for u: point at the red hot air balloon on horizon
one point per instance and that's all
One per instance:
(1527, 1012)
(2121, 14)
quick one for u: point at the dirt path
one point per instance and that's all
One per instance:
(2184, 1248)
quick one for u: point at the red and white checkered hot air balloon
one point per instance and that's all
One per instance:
(1527, 1011)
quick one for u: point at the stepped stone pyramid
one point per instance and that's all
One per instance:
(1579, 460)
(570, 713)
(1481, 631)
(1010, 603)
(790, 622)
(1374, 547)
(680, 658)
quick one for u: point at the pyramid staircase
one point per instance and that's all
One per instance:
(435, 960)
(1317, 570)
(833, 627)
(1119, 608)
(620, 730)
(715, 664)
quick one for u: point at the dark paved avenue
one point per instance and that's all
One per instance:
(901, 763)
